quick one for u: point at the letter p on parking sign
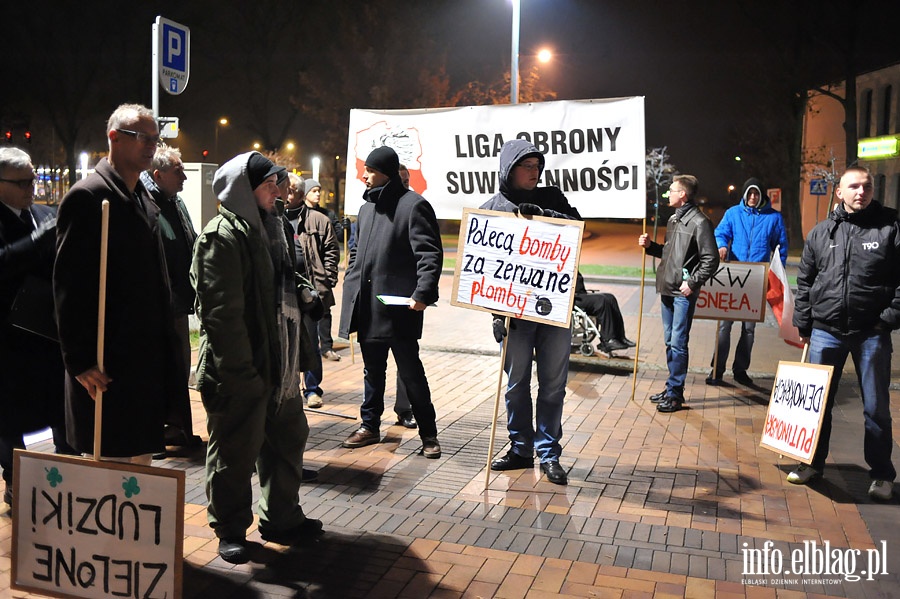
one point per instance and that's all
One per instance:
(172, 53)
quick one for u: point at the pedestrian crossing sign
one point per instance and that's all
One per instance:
(818, 187)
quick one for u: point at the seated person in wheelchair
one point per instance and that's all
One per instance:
(605, 308)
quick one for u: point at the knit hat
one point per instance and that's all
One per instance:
(309, 185)
(385, 161)
(260, 168)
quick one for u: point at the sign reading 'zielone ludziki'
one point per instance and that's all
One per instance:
(523, 267)
(83, 528)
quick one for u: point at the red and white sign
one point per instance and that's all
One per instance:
(594, 151)
(517, 266)
(796, 408)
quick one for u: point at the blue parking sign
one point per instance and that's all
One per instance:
(172, 51)
(174, 47)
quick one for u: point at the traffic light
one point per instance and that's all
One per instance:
(27, 137)
(8, 135)
(205, 154)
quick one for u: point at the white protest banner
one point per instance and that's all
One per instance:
(84, 528)
(737, 291)
(521, 267)
(796, 408)
(594, 152)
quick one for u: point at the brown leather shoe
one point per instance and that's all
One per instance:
(431, 448)
(332, 356)
(361, 438)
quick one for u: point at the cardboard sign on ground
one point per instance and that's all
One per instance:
(85, 528)
(796, 407)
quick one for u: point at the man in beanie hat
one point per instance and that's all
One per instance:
(398, 253)
(248, 371)
(749, 232)
(317, 260)
(324, 266)
(521, 165)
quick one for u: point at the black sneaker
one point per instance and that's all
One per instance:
(512, 461)
(234, 550)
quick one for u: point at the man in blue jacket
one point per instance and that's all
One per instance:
(749, 232)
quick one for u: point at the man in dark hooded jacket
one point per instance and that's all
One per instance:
(398, 253)
(848, 302)
(749, 232)
(521, 165)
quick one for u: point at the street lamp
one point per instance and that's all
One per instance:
(545, 55)
(222, 122)
(316, 163)
(514, 62)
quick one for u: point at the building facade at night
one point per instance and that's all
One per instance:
(878, 122)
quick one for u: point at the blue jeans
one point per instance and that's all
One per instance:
(412, 373)
(871, 352)
(313, 378)
(549, 346)
(677, 316)
(741, 353)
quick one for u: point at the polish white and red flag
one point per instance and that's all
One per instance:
(781, 299)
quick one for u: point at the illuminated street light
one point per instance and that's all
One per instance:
(222, 122)
(545, 55)
(84, 165)
(316, 162)
(256, 145)
(289, 146)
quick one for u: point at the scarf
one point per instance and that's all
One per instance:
(288, 320)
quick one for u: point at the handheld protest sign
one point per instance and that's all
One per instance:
(796, 408)
(101, 324)
(83, 528)
(522, 267)
(737, 291)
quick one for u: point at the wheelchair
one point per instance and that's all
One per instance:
(584, 332)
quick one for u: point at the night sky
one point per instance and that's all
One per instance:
(704, 67)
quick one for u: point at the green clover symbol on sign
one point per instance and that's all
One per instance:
(53, 476)
(131, 486)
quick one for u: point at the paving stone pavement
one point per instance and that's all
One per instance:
(657, 505)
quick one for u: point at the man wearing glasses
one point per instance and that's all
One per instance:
(141, 361)
(689, 257)
(31, 380)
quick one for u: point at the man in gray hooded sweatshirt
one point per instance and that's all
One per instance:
(521, 165)
(248, 373)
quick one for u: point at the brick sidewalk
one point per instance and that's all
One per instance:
(657, 505)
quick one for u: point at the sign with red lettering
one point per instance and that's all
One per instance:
(737, 291)
(796, 408)
(523, 267)
(83, 528)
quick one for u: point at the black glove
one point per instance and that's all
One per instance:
(499, 329)
(44, 236)
(345, 223)
(529, 210)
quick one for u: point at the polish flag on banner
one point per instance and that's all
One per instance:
(781, 299)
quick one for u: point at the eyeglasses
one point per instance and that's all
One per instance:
(142, 138)
(530, 166)
(23, 184)
(675, 189)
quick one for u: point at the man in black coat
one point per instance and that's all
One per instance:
(399, 254)
(31, 379)
(141, 370)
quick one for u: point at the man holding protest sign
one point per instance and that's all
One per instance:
(393, 276)
(521, 165)
(848, 302)
(749, 232)
(689, 258)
